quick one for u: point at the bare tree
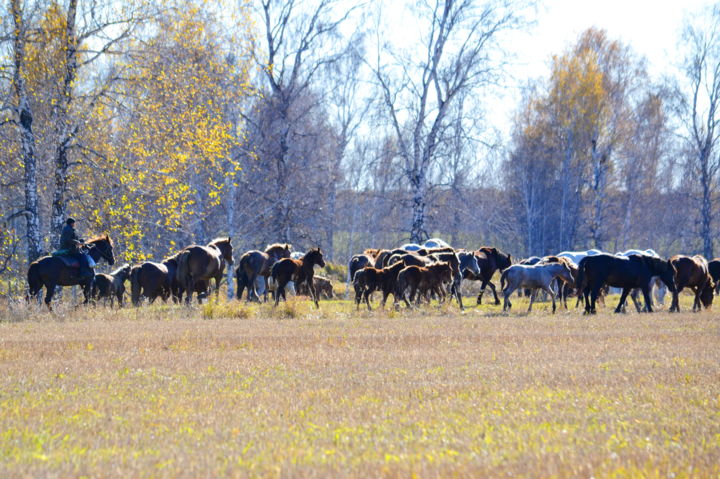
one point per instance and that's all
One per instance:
(702, 113)
(299, 41)
(24, 120)
(459, 54)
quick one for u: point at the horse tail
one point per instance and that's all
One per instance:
(503, 279)
(275, 270)
(581, 276)
(34, 283)
(242, 280)
(135, 285)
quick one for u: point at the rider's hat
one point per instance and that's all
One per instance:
(70, 221)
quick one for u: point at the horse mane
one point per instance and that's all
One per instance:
(114, 273)
(172, 257)
(221, 239)
(104, 237)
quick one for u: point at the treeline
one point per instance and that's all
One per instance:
(170, 123)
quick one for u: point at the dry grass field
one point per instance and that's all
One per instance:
(227, 389)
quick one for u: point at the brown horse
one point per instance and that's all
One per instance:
(370, 279)
(358, 262)
(323, 288)
(111, 285)
(423, 280)
(203, 263)
(693, 273)
(489, 260)
(298, 270)
(714, 270)
(152, 280)
(258, 263)
(52, 271)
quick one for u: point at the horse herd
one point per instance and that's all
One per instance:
(414, 273)
(411, 273)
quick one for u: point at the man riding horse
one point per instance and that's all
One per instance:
(71, 243)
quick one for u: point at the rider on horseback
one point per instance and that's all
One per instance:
(70, 241)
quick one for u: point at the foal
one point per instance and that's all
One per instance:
(298, 270)
(111, 285)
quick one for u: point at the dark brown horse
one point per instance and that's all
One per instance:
(323, 288)
(423, 280)
(203, 263)
(714, 270)
(52, 271)
(358, 262)
(370, 279)
(152, 280)
(489, 260)
(693, 273)
(258, 263)
(298, 270)
(111, 286)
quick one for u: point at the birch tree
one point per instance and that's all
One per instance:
(459, 54)
(702, 111)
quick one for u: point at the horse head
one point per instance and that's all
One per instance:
(224, 245)
(706, 295)
(104, 246)
(314, 257)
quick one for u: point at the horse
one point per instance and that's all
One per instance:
(564, 288)
(411, 247)
(693, 273)
(655, 283)
(52, 271)
(489, 260)
(111, 285)
(370, 279)
(153, 280)
(629, 272)
(714, 270)
(577, 256)
(299, 271)
(537, 276)
(258, 263)
(203, 263)
(423, 280)
(435, 243)
(323, 288)
(358, 262)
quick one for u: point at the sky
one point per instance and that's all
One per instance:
(651, 28)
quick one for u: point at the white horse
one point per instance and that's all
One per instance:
(576, 256)
(537, 276)
(435, 243)
(655, 282)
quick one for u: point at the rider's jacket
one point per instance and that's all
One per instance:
(69, 239)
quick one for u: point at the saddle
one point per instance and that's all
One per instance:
(68, 257)
(71, 261)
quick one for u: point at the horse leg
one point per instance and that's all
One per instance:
(482, 291)
(675, 305)
(458, 296)
(552, 294)
(634, 297)
(494, 292)
(593, 298)
(623, 297)
(506, 297)
(532, 299)
(313, 293)
(366, 295)
(49, 291)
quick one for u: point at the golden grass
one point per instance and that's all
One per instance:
(232, 389)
